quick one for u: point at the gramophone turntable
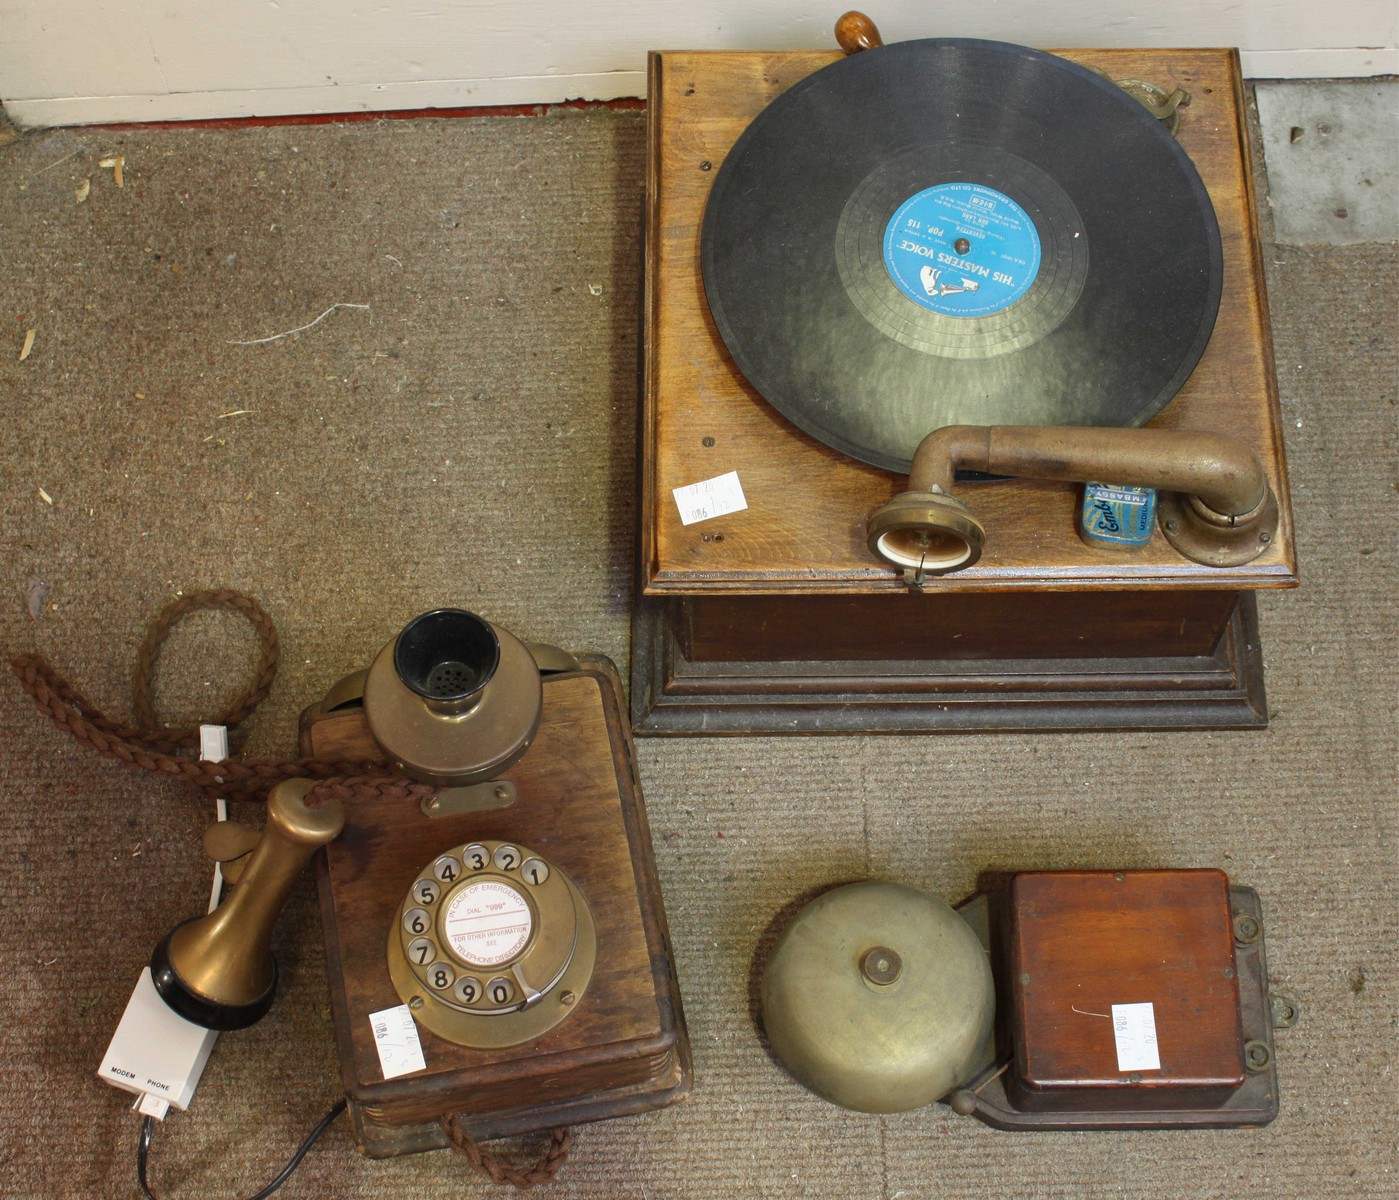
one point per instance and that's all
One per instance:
(1033, 280)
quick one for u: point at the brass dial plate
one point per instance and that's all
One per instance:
(493, 945)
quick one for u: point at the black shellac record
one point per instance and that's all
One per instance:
(953, 232)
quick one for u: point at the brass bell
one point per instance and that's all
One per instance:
(878, 997)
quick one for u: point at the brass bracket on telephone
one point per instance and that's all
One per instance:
(1218, 508)
(475, 797)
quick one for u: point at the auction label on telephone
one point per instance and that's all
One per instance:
(396, 1039)
(710, 498)
(1134, 1028)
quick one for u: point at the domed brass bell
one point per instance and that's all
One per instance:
(878, 997)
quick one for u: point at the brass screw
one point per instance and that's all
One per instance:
(881, 965)
(568, 999)
(502, 792)
(1247, 928)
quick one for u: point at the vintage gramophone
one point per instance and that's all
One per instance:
(509, 923)
(1051, 1000)
(964, 260)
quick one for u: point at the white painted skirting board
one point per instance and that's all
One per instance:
(385, 97)
(532, 89)
(1320, 64)
(92, 61)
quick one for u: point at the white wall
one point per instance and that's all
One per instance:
(76, 61)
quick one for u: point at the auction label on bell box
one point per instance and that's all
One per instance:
(1134, 1029)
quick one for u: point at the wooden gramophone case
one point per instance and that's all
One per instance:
(777, 618)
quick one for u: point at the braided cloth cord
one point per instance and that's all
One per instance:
(495, 1166)
(148, 658)
(148, 747)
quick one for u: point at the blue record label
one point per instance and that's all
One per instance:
(962, 250)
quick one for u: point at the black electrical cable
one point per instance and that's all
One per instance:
(143, 1152)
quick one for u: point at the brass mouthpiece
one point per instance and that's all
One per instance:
(453, 700)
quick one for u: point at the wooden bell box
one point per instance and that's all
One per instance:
(1135, 999)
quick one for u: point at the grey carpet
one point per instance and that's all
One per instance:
(469, 438)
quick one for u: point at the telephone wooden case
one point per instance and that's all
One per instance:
(578, 820)
(777, 618)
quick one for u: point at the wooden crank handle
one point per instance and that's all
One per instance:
(856, 32)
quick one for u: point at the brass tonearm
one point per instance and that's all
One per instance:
(1216, 507)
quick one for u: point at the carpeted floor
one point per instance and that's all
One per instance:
(468, 437)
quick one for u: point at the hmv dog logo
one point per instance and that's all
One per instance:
(931, 279)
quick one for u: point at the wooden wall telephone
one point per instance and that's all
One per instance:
(516, 915)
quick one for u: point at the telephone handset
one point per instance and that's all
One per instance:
(493, 945)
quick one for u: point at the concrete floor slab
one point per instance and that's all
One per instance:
(1332, 150)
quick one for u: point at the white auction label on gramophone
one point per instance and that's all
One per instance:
(1134, 1027)
(710, 498)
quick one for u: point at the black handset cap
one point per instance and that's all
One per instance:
(188, 1003)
